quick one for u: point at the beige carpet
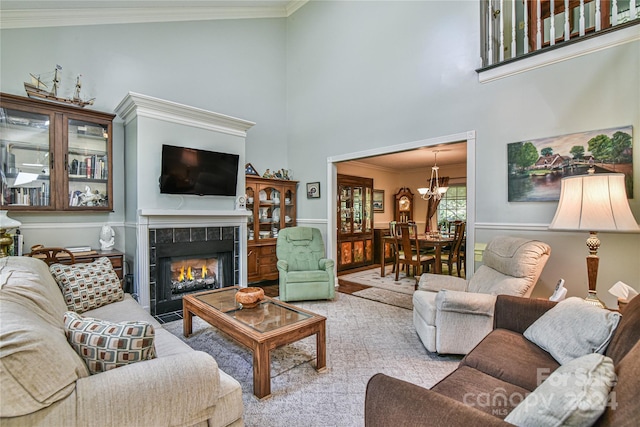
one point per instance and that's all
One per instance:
(363, 338)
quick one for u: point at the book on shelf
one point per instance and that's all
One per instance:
(18, 242)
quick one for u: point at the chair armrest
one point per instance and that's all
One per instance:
(183, 390)
(463, 319)
(393, 402)
(517, 314)
(282, 265)
(465, 303)
(326, 264)
(437, 282)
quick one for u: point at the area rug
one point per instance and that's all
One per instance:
(364, 337)
(405, 284)
(399, 299)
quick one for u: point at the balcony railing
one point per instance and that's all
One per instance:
(514, 29)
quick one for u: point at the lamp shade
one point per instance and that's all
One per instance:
(8, 223)
(594, 202)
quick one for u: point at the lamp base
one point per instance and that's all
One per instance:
(593, 299)
(5, 243)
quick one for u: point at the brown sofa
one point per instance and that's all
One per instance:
(504, 364)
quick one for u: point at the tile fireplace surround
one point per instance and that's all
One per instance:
(202, 228)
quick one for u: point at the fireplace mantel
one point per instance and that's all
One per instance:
(149, 124)
(154, 219)
(200, 213)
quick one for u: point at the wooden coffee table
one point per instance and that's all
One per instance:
(268, 326)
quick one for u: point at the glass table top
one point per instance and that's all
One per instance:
(267, 316)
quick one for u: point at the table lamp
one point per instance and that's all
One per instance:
(6, 240)
(594, 202)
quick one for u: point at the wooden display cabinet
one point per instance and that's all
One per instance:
(54, 157)
(273, 206)
(355, 222)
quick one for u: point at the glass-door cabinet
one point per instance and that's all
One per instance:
(273, 206)
(355, 221)
(53, 156)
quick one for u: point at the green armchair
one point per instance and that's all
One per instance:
(305, 273)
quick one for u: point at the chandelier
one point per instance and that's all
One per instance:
(434, 191)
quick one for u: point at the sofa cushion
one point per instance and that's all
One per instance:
(627, 333)
(488, 281)
(127, 309)
(105, 345)
(623, 409)
(573, 328)
(28, 281)
(510, 357)
(481, 391)
(87, 286)
(576, 394)
(307, 276)
(38, 367)
(514, 256)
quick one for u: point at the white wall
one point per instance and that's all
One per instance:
(364, 75)
(233, 67)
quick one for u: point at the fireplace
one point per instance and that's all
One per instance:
(188, 260)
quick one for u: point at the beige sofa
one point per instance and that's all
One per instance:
(44, 382)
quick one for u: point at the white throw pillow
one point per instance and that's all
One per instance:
(573, 328)
(575, 394)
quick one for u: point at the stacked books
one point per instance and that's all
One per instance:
(74, 249)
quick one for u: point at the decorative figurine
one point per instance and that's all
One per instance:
(107, 238)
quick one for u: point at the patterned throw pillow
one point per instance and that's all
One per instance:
(105, 345)
(87, 286)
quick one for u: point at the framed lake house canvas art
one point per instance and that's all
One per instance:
(536, 167)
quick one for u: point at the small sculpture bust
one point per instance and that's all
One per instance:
(107, 238)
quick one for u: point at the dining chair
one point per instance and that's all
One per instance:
(53, 255)
(393, 232)
(408, 250)
(454, 254)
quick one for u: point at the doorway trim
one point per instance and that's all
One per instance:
(332, 179)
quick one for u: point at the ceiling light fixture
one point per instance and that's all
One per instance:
(434, 191)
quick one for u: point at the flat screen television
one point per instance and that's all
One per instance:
(199, 172)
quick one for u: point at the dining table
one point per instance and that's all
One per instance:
(426, 241)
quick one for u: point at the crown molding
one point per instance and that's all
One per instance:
(36, 18)
(137, 105)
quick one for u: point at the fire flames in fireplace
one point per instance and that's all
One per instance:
(193, 274)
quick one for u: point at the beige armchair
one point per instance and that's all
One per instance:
(452, 315)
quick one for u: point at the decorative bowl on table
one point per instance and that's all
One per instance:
(249, 297)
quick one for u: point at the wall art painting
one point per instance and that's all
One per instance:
(536, 167)
(378, 200)
(313, 190)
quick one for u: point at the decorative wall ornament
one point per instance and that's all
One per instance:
(313, 190)
(250, 170)
(378, 200)
(536, 167)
